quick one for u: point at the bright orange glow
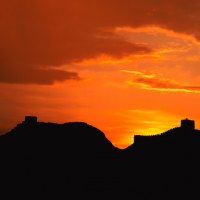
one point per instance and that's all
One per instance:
(126, 71)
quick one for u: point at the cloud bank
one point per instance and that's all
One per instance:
(39, 36)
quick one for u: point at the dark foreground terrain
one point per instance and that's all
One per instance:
(76, 160)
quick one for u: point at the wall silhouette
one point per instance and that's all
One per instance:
(60, 160)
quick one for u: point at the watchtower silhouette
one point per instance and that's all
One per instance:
(30, 120)
(188, 124)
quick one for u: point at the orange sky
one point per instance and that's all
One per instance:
(125, 67)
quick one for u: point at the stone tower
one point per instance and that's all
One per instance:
(188, 124)
(30, 120)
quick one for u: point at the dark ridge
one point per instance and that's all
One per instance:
(73, 137)
(65, 161)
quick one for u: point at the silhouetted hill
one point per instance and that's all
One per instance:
(169, 162)
(72, 159)
(74, 137)
(49, 156)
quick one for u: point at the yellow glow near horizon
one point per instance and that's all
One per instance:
(141, 93)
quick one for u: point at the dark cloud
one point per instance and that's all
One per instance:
(38, 76)
(154, 83)
(50, 33)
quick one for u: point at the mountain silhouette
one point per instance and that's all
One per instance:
(72, 159)
(44, 158)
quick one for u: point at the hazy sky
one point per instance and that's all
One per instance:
(124, 66)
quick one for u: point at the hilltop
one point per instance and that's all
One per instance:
(59, 160)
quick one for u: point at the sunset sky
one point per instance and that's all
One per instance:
(124, 66)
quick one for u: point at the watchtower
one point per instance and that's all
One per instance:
(188, 124)
(30, 120)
